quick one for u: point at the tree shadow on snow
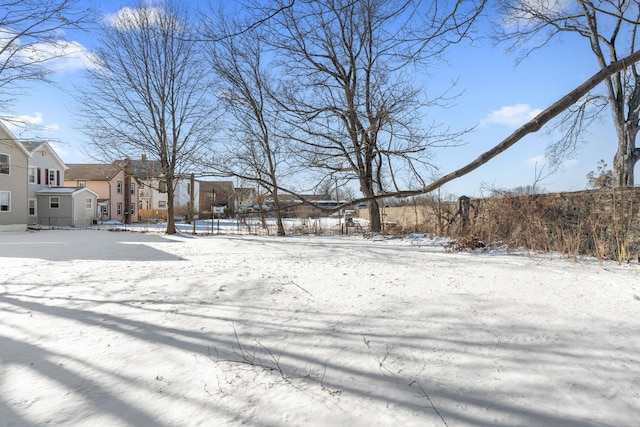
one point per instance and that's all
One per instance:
(403, 369)
(67, 245)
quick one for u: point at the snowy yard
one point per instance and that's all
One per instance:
(133, 329)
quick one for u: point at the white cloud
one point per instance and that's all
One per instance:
(19, 124)
(58, 57)
(129, 19)
(63, 56)
(511, 115)
(537, 161)
(541, 162)
(527, 14)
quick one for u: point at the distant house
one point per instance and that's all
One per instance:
(118, 192)
(14, 171)
(219, 195)
(245, 199)
(46, 170)
(66, 207)
(153, 189)
(152, 194)
(185, 188)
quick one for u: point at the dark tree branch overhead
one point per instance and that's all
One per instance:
(530, 127)
(32, 36)
(610, 30)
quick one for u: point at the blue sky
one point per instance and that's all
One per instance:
(497, 97)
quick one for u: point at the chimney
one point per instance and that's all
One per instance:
(144, 157)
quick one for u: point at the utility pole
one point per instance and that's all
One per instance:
(213, 201)
(192, 201)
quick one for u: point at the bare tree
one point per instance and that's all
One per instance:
(349, 91)
(252, 150)
(150, 96)
(601, 177)
(32, 37)
(610, 29)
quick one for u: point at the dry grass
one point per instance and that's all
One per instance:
(604, 224)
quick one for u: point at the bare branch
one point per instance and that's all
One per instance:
(531, 127)
(32, 39)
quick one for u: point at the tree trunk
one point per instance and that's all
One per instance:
(171, 225)
(624, 163)
(276, 207)
(375, 223)
(366, 187)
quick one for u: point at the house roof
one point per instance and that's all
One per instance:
(246, 191)
(44, 147)
(143, 169)
(91, 172)
(13, 139)
(217, 186)
(310, 197)
(64, 190)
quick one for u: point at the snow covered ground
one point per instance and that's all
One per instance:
(101, 328)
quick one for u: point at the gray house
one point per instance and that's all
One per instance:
(14, 162)
(67, 207)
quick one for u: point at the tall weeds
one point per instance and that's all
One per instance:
(600, 223)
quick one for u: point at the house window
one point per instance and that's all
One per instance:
(32, 207)
(52, 177)
(133, 189)
(162, 186)
(133, 209)
(119, 187)
(5, 164)
(88, 203)
(162, 204)
(5, 201)
(82, 184)
(54, 202)
(119, 209)
(32, 175)
(105, 211)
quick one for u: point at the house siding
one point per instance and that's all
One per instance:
(83, 216)
(72, 211)
(56, 217)
(43, 161)
(107, 190)
(16, 183)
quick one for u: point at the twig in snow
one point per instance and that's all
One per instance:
(431, 403)
(291, 282)
(325, 388)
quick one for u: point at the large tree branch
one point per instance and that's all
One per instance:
(531, 127)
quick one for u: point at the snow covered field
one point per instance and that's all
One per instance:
(101, 328)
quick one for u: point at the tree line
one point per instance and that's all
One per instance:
(299, 94)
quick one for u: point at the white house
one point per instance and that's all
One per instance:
(182, 195)
(46, 170)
